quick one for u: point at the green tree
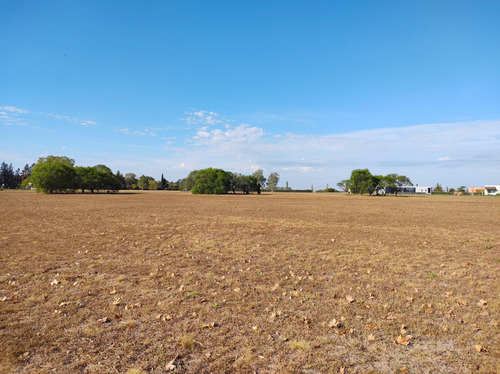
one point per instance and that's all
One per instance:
(243, 183)
(53, 176)
(143, 183)
(362, 181)
(130, 180)
(259, 174)
(394, 182)
(272, 181)
(61, 159)
(343, 185)
(121, 180)
(438, 188)
(153, 185)
(87, 178)
(7, 176)
(187, 183)
(211, 181)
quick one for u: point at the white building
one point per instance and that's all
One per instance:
(492, 189)
(412, 190)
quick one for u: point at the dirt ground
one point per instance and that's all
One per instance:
(167, 282)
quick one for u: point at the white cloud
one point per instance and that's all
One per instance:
(88, 123)
(202, 117)
(230, 136)
(147, 131)
(471, 149)
(127, 131)
(13, 109)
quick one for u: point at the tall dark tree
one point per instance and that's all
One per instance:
(7, 176)
(163, 182)
(121, 180)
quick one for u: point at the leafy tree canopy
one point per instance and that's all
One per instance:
(211, 181)
(53, 176)
(272, 181)
(362, 181)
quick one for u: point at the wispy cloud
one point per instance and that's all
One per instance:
(202, 118)
(147, 131)
(12, 109)
(13, 116)
(76, 120)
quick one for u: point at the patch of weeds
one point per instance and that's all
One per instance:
(215, 305)
(121, 278)
(299, 344)
(497, 259)
(491, 246)
(432, 275)
(292, 255)
(191, 294)
(187, 342)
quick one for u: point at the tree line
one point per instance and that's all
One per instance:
(217, 181)
(363, 182)
(59, 174)
(56, 174)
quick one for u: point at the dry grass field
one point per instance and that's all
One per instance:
(167, 282)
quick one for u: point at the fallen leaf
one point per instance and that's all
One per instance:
(55, 282)
(170, 366)
(104, 320)
(480, 348)
(371, 337)
(116, 301)
(349, 298)
(403, 340)
(333, 323)
(482, 303)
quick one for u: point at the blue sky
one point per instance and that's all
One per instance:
(310, 90)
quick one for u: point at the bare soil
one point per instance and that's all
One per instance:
(161, 282)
